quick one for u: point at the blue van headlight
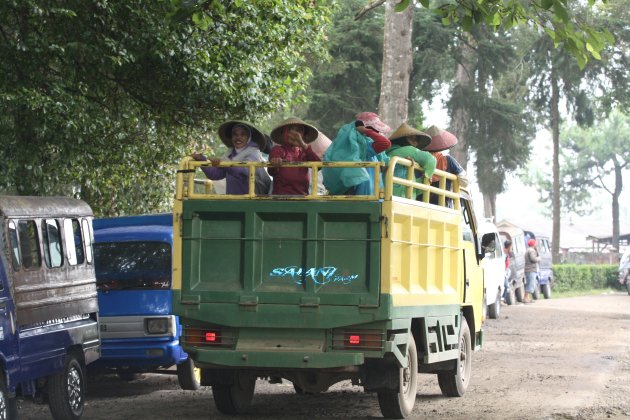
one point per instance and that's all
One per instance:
(159, 325)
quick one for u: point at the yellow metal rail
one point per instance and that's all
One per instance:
(189, 174)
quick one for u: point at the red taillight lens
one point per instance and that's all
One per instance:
(198, 336)
(358, 339)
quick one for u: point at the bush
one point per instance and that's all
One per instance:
(569, 277)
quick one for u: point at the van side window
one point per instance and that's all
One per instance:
(74, 241)
(51, 238)
(489, 245)
(29, 244)
(15, 246)
(87, 238)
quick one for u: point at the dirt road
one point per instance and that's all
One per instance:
(553, 359)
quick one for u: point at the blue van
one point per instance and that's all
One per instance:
(48, 307)
(139, 333)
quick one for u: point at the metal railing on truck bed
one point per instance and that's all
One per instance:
(188, 172)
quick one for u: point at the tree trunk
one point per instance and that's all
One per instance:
(615, 203)
(464, 79)
(555, 196)
(397, 65)
(489, 206)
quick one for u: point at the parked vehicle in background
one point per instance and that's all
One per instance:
(133, 258)
(545, 265)
(493, 267)
(624, 270)
(48, 305)
(516, 281)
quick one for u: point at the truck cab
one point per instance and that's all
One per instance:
(133, 260)
(49, 324)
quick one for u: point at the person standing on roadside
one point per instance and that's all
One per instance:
(507, 250)
(531, 270)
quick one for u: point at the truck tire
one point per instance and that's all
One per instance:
(495, 309)
(8, 405)
(628, 286)
(399, 405)
(546, 291)
(189, 376)
(520, 294)
(66, 391)
(455, 382)
(237, 397)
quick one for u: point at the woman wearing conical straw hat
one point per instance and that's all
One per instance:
(292, 137)
(442, 140)
(407, 142)
(244, 142)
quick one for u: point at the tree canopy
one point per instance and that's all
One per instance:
(579, 37)
(100, 99)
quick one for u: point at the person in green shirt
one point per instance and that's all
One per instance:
(407, 143)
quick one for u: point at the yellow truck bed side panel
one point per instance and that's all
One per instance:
(422, 259)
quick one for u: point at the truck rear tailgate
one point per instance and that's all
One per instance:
(281, 252)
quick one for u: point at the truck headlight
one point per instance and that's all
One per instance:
(157, 325)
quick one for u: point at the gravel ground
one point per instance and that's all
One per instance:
(553, 359)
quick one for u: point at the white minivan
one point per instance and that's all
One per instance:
(493, 265)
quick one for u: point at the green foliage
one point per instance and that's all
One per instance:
(569, 277)
(350, 82)
(576, 35)
(499, 131)
(101, 99)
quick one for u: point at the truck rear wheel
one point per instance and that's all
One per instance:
(8, 406)
(520, 294)
(454, 383)
(546, 290)
(399, 405)
(235, 398)
(66, 391)
(189, 376)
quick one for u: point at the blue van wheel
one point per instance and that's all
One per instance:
(66, 390)
(8, 406)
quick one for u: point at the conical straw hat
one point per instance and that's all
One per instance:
(405, 130)
(440, 139)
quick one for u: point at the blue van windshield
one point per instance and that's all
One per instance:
(132, 265)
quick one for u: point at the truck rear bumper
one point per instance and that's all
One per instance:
(280, 360)
(118, 353)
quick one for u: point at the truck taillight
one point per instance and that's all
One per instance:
(208, 337)
(355, 339)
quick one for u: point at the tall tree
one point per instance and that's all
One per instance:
(596, 157)
(556, 78)
(397, 65)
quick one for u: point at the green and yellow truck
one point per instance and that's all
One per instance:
(319, 289)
